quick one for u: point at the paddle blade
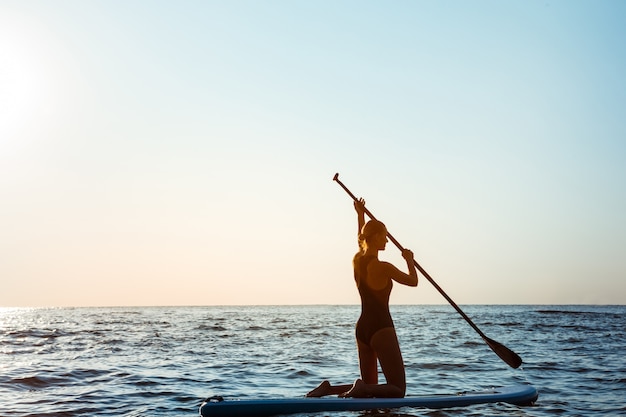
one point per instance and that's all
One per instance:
(506, 354)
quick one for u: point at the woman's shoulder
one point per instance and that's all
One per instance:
(377, 274)
(374, 265)
(381, 267)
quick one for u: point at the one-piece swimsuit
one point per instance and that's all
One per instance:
(375, 313)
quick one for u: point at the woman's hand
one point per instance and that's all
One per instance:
(407, 254)
(359, 206)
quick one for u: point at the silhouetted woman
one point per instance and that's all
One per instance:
(375, 333)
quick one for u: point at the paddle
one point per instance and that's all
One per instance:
(506, 354)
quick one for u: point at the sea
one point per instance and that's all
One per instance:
(163, 361)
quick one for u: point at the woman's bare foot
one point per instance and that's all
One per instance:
(321, 390)
(358, 390)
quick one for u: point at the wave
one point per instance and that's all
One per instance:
(212, 327)
(49, 378)
(579, 313)
(36, 333)
(31, 382)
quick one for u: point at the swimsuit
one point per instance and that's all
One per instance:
(374, 305)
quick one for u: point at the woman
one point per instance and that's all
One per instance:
(375, 333)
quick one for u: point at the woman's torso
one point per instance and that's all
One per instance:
(374, 302)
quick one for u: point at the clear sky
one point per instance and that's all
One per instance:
(182, 152)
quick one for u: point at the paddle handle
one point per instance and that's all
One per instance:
(510, 357)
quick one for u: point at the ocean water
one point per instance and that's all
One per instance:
(165, 361)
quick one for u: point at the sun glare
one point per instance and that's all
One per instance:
(23, 86)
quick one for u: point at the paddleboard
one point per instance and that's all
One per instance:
(219, 407)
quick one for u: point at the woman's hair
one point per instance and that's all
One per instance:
(369, 229)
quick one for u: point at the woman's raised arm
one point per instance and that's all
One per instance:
(359, 206)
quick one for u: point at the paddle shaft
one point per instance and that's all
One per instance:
(502, 351)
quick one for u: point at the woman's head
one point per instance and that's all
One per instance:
(373, 235)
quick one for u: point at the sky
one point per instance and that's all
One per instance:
(182, 153)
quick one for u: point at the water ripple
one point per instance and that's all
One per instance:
(163, 361)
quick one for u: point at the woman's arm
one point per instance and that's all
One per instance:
(359, 206)
(395, 274)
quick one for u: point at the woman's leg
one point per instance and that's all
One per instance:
(386, 347)
(368, 363)
(385, 342)
(326, 389)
